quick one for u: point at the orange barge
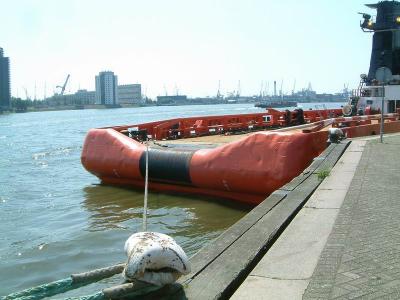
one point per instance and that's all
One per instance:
(245, 170)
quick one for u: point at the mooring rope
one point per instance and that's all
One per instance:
(75, 281)
(44, 290)
(131, 290)
(98, 296)
(61, 286)
(146, 183)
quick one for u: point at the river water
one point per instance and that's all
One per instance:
(56, 219)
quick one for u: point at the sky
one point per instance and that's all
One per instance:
(185, 46)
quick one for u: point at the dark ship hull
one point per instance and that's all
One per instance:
(279, 104)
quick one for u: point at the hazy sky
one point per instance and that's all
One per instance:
(186, 44)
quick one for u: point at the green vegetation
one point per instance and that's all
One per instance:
(322, 174)
(19, 105)
(54, 103)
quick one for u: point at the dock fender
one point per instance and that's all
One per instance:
(167, 165)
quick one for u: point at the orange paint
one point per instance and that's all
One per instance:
(257, 164)
(246, 171)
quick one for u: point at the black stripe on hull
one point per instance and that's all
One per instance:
(167, 165)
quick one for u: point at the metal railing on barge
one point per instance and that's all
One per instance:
(209, 125)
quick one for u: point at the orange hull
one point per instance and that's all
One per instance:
(246, 170)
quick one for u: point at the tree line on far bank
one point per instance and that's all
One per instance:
(19, 105)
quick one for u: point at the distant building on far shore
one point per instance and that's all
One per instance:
(5, 89)
(172, 100)
(107, 88)
(81, 97)
(129, 93)
(84, 97)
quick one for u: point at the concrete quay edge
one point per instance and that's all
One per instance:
(286, 269)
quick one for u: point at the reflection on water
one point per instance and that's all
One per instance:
(110, 207)
(190, 219)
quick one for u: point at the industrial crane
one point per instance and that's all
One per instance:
(63, 87)
(219, 95)
(26, 93)
(294, 86)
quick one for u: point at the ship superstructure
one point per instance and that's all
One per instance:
(383, 79)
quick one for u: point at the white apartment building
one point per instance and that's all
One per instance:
(107, 88)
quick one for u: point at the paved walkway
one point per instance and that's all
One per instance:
(345, 242)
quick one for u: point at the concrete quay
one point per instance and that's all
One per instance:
(345, 241)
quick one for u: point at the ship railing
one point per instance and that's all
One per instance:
(356, 93)
(363, 120)
(209, 125)
(190, 127)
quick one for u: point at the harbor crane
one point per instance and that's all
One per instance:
(239, 90)
(219, 95)
(294, 86)
(64, 86)
(26, 93)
